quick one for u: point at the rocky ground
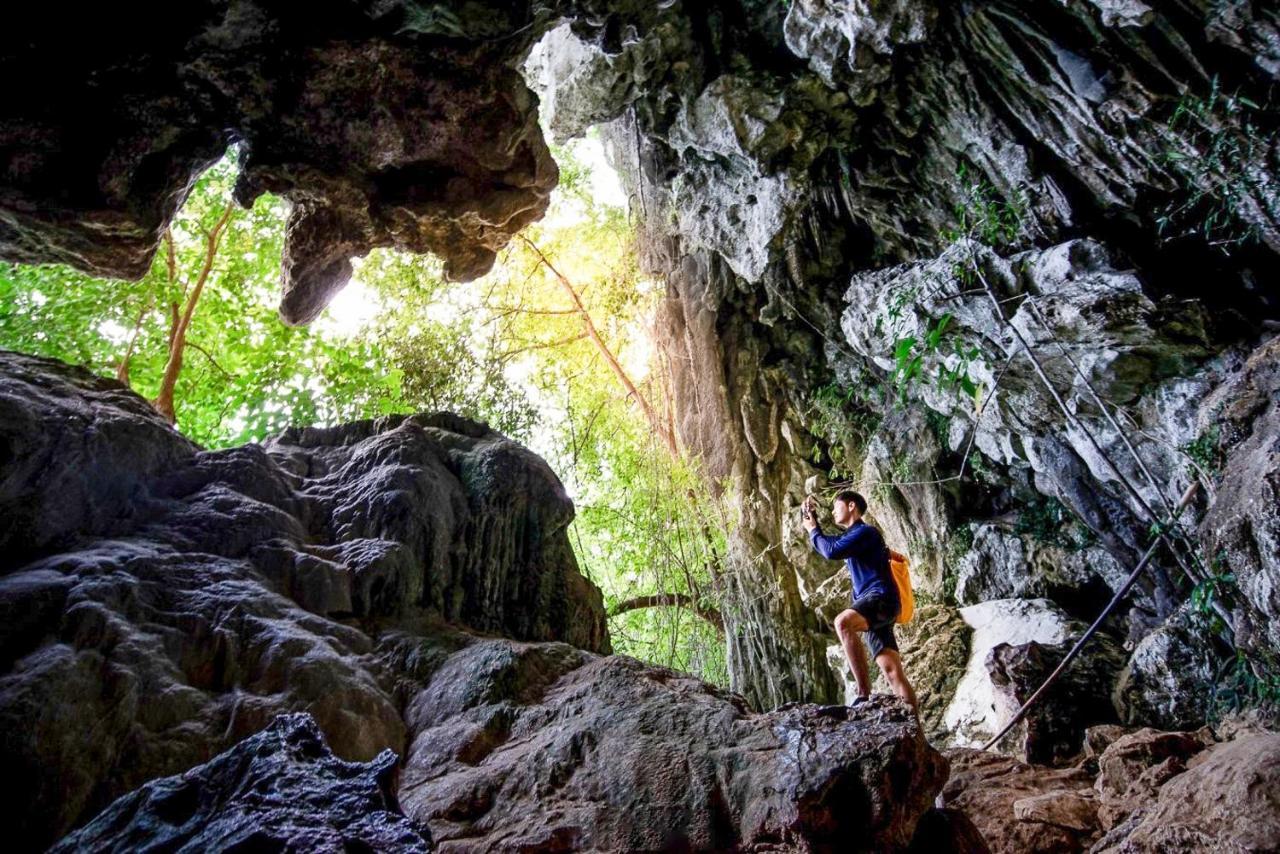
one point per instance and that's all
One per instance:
(1133, 790)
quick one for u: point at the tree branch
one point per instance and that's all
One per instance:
(194, 346)
(178, 341)
(671, 600)
(655, 423)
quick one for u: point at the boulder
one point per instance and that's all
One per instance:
(184, 598)
(1228, 800)
(1132, 769)
(1021, 808)
(522, 746)
(279, 790)
(972, 716)
(1053, 729)
(1168, 681)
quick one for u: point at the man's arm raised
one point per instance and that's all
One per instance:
(835, 547)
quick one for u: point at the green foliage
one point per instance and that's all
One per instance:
(1245, 684)
(985, 215)
(953, 374)
(844, 417)
(237, 384)
(1048, 521)
(1216, 149)
(509, 349)
(1205, 453)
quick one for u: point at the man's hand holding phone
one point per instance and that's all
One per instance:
(809, 513)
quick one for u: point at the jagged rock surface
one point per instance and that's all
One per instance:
(280, 790)
(1053, 729)
(384, 124)
(883, 132)
(354, 573)
(817, 183)
(528, 747)
(231, 584)
(1143, 791)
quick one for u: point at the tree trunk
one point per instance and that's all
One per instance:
(655, 423)
(122, 370)
(178, 334)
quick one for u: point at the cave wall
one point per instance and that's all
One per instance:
(801, 174)
(817, 182)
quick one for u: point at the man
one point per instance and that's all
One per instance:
(875, 602)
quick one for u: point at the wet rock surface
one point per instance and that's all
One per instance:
(279, 790)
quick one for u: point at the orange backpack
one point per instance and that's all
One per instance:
(902, 577)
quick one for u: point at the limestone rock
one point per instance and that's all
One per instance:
(1242, 525)
(1132, 769)
(1168, 680)
(1074, 809)
(514, 746)
(1053, 730)
(1003, 565)
(281, 789)
(972, 715)
(223, 587)
(1229, 800)
(849, 44)
(381, 126)
(987, 786)
(91, 446)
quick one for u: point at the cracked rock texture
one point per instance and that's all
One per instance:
(280, 790)
(383, 124)
(819, 182)
(1142, 790)
(822, 186)
(232, 584)
(408, 584)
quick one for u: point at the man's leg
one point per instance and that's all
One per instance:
(891, 666)
(849, 623)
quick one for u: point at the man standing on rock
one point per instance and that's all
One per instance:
(875, 601)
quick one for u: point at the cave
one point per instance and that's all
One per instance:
(1006, 269)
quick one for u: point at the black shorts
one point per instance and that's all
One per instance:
(879, 613)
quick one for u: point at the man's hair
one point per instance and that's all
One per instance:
(850, 497)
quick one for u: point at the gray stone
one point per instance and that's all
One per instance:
(281, 789)
(1168, 681)
(517, 745)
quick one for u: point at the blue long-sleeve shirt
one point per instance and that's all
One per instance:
(865, 555)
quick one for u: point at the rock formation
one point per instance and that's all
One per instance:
(406, 582)
(885, 207)
(99, 156)
(1138, 790)
(866, 217)
(280, 790)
